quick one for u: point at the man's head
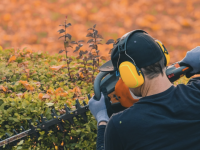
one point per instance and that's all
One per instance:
(141, 48)
(138, 52)
(154, 70)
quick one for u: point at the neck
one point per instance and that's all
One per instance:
(155, 86)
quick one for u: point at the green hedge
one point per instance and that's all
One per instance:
(19, 102)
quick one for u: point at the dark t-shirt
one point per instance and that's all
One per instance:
(166, 121)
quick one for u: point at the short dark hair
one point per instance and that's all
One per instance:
(154, 70)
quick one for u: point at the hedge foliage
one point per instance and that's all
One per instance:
(31, 84)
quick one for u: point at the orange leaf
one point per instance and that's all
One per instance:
(70, 90)
(27, 85)
(150, 18)
(40, 96)
(142, 22)
(185, 23)
(27, 70)
(29, 51)
(77, 90)
(94, 53)
(81, 74)
(49, 91)
(56, 68)
(3, 78)
(13, 58)
(155, 27)
(59, 90)
(3, 88)
(68, 102)
(62, 143)
(7, 17)
(63, 94)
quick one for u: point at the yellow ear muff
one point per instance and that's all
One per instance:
(129, 75)
(164, 50)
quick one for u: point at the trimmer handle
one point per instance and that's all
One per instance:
(97, 83)
(106, 80)
(175, 71)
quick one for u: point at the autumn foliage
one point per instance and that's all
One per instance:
(174, 22)
(33, 83)
(80, 34)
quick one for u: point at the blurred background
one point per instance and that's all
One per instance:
(34, 23)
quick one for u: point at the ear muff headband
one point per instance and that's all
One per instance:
(131, 75)
(165, 52)
(123, 40)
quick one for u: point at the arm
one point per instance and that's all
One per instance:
(196, 79)
(192, 59)
(99, 111)
(112, 137)
(107, 137)
(194, 83)
(100, 135)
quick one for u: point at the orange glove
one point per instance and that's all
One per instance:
(124, 95)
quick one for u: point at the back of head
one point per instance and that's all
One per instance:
(154, 70)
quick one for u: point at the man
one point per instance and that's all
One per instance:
(165, 117)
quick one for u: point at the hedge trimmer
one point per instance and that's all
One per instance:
(108, 80)
(105, 80)
(46, 124)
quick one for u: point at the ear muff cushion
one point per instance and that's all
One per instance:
(129, 75)
(165, 52)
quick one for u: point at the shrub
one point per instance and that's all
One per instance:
(33, 83)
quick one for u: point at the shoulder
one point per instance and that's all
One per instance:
(123, 116)
(194, 82)
(117, 123)
(119, 115)
(193, 85)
